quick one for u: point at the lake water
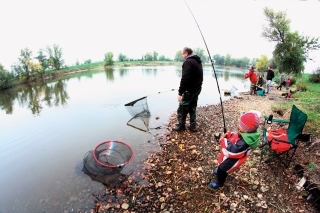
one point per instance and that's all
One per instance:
(47, 129)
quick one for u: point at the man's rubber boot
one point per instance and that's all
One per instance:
(192, 128)
(179, 127)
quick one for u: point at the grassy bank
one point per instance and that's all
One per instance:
(308, 101)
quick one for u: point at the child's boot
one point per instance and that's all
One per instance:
(214, 185)
(215, 171)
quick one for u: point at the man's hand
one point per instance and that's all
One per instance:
(179, 98)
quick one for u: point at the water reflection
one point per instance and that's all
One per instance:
(123, 72)
(6, 101)
(226, 76)
(33, 96)
(109, 73)
(150, 71)
(179, 72)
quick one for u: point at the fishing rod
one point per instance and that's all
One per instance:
(215, 75)
(133, 102)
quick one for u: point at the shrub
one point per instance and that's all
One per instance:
(301, 87)
(315, 76)
(293, 80)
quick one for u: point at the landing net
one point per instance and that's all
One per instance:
(138, 108)
(140, 113)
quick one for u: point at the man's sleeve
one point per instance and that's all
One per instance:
(185, 78)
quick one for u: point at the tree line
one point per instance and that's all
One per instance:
(30, 67)
(27, 68)
(290, 53)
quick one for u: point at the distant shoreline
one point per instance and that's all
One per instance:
(53, 74)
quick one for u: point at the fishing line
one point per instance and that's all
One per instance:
(215, 75)
(155, 94)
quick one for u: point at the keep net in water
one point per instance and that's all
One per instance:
(107, 160)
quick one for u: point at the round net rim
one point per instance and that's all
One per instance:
(108, 141)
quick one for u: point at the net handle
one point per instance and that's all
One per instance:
(108, 141)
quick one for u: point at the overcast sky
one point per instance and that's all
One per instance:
(88, 29)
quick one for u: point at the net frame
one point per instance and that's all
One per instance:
(109, 147)
(138, 108)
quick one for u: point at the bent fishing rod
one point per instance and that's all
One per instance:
(215, 75)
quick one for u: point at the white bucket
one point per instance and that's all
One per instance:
(233, 91)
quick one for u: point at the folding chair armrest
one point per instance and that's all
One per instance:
(264, 135)
(288, 142)
(281, 141)
(264, 138)
(276, 120)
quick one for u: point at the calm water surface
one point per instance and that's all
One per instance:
(46, 129)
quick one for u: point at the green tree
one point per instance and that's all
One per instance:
(234, 62)
(201, 53)
(163, 58)
(55, 56)
(24, 59)
(253, 61)
(218, 59)
(16, 70)
(291, 50)
(228, 60)
(155, 56)
(178, 57)
(44, 62)
(28, 66)
(272, 63)
(148, 57)
(108, 59)
(244, 62)
(262, 63)
(4, 77)
(88, 61)
(122, 57)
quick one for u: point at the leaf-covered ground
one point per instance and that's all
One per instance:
(175, 178)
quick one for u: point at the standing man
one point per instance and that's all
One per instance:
(189, 90)
(252, 75)
(270, 76)
(282, 81)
